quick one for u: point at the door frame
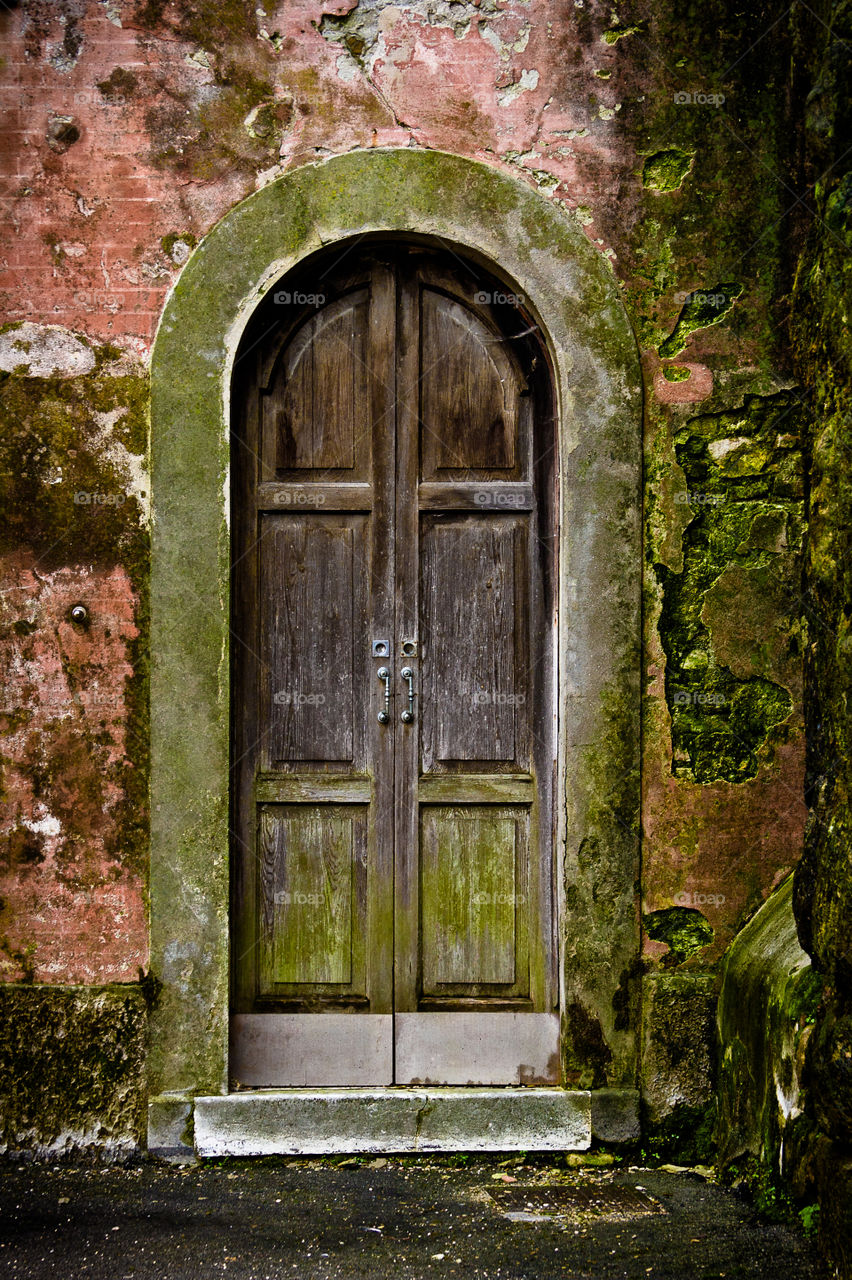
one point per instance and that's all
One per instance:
(404, 1033)
(541, 251)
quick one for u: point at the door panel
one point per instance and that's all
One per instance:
(393, 876)
(318, 399)
(312, 898)
(474, 898)
(475, 895)
(477, 1048)
(473, 676)
(313, 601)
(469, 394)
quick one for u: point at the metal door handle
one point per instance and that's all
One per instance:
(384, 674)
(408, 715)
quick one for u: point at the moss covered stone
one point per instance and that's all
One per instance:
(769, 999)
(731, 616)
(702, 308)
(72, 1070)
(683, 929)
(678, 1051)
(666, 170)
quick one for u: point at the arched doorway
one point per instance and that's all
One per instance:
(394, 622)
(496, 223)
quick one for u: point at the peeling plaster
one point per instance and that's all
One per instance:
(44, 351)
(526, 81)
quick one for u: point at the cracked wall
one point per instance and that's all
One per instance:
(134, 125)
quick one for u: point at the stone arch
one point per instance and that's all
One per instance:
(527, 239)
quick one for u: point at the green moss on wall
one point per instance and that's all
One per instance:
(71, 1070)
(683, 929)
(71, 456)
(822, 304)
(728, 682)
(666, 170)
(235, 125)
(822, 308)
(768, 1002)
(677, 1069)
(720, 97)
(119, 83)
(703, 307)
(618, 32)
(61, 494)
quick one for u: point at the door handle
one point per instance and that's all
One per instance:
(408, 715)
(384, 674)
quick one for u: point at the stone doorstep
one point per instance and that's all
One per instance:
(338, 1121)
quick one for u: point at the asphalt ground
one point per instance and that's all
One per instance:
(393, 1217)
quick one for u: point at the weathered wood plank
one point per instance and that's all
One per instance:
(307, 496)
(316, 407)
(476, 788)
(308, 871)
(330, 788)
(485, 496)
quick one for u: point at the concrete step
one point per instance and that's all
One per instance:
(336, 1121)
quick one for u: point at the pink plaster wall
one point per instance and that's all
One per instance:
(531, 87)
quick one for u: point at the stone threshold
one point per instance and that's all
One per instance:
(336, 1121)
(355, 1121)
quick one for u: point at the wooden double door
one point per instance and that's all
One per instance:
(393, 682)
